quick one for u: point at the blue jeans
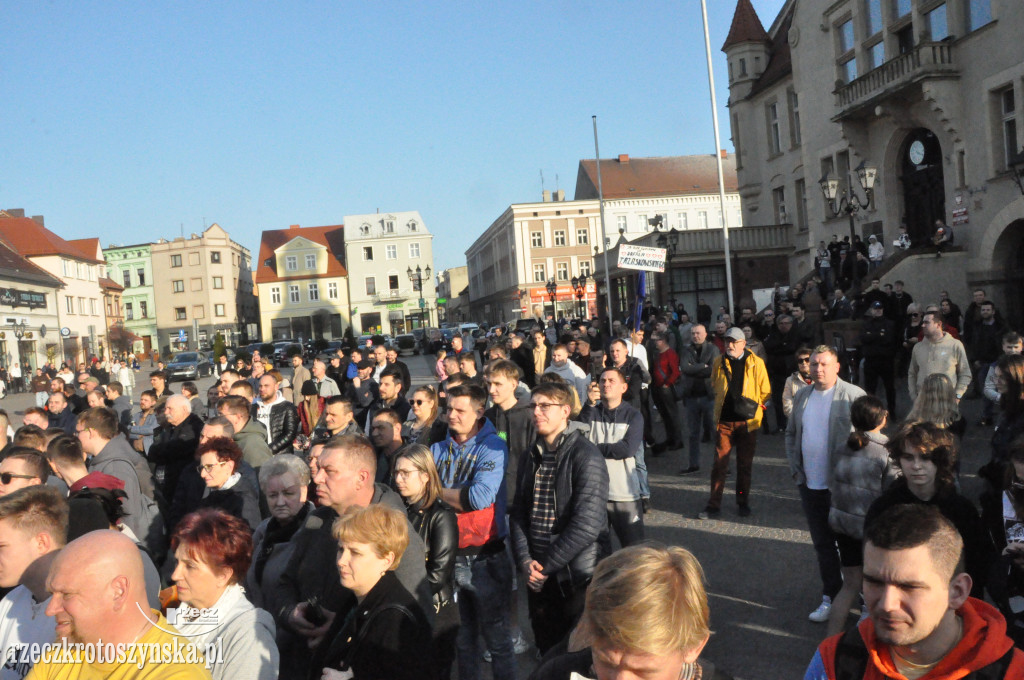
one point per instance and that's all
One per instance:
(41, 398)
(641, 473)
(484, 590)
(699, 410)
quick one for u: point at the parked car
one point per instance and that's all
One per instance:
(406, 343)
(284, 351)
(188, 366)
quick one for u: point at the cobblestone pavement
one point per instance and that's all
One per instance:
(761, 572)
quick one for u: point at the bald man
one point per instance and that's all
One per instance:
(99, 594)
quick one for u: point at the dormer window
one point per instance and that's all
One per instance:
(365, 230)
(412, 225)
(310, 261)
(389, 226)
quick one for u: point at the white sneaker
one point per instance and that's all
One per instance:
(820, 615)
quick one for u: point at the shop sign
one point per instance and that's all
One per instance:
(12, 297)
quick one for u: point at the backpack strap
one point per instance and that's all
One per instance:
(995, 670)
(851, 659)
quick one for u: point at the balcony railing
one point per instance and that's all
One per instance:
(927, 60)
(765, 237)
(395, 295)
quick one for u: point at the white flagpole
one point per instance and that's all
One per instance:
(718, 158)
(604, 237)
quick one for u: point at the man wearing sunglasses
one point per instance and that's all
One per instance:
(20, 468)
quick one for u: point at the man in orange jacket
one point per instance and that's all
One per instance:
(923, 622)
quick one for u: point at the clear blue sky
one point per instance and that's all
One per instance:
(127, 120)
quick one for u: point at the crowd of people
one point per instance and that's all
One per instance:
(341, 522)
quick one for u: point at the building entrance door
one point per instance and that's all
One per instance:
(924, 191)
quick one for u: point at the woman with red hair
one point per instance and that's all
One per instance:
(213, 551)
(220, 461)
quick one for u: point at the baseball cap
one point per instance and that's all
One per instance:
(735, 334)
(877, 305)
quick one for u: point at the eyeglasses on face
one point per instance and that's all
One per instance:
(208, 468)
(419, 402)
(803, 360)
(7, 477)
(543, 407)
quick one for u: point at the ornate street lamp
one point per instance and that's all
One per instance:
(417, 277)
(552, 290)
(1017, 169)
(579, 286)
(849, 202)
(670, 242)
(20, 329)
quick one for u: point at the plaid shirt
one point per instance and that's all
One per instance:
(542, 514)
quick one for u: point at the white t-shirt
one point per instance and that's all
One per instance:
(814, 439)
(23, 622)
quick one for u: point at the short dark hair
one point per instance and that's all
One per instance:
(30, 436)
(234, 404)
(389, 414)
(65, 449)
(935, 443)
(616, 369)
(476, 394)
(37, 509)
(339, 399)
(190, 387)
(907, 526)
(101, 419)
(116, 387)
(158, 374)
(394, 373)
(1011, 338)
(33, 460)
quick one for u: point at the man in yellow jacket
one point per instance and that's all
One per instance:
(740, 383)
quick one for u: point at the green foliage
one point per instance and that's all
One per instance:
(219, 350)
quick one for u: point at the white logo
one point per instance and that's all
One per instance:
(184, 614)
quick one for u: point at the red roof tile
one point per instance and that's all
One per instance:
(90, 247)
(333, 237)
(29, 238)
(746, 26)
(626, 177)
(14, 267)
(109, 284)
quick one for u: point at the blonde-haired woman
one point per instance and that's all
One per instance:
(417, 482)
(936, 403)
(381, 632)
(646, 607)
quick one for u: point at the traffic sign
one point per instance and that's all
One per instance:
(65, 332)
(423, 303)
(442, 301)
(182, 336)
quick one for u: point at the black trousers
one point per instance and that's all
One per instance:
(554, 612)
(665, 400)
(881, 367)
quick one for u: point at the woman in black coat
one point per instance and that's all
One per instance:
(925, 454)
(417, 481)
(228, 486)
(380, 631)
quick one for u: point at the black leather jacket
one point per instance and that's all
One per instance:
(284, 425)
(439, 529)
(581, 512)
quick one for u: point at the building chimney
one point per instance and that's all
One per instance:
(546, 196)
(624, 158)
(724, 154)
(38, 219)
(15, 212)
(293, 226)
(560, 195)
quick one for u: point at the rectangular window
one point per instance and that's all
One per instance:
(371, 285)
(845, 34)
(197, 285)
(877, 55)
(901, 8)
(537, 239)
(559, 237)
(873, 16)
(310, 261)
(938, 28)
(178, 286)
(682, 220)
(905, 39)
(175, 260)
(218, 282)
(215, 256)
(66, 266)
(794, 118)
(141, 276)
(393, 281)
(774, 138)
(1008, 108)
(801, 204)
(562, 271)
(179, 314)
(129, 313)
(291, 262)
(827, 169)
(848, 70)
(332, 291)
(582, 237)
(391, 252)
(414, 251)
(275, 295)
(218, 310)
(979, 13)
(702, 219)
(367, 253)
(539, 274)
(69, 305)
(198, 312)
(620, 222)
(735, 128)
(585, 268)
(144, 309)
(314, 292)
(293, 293)
(644, 226)
(126, 276)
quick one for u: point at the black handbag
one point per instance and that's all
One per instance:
(745, 407)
